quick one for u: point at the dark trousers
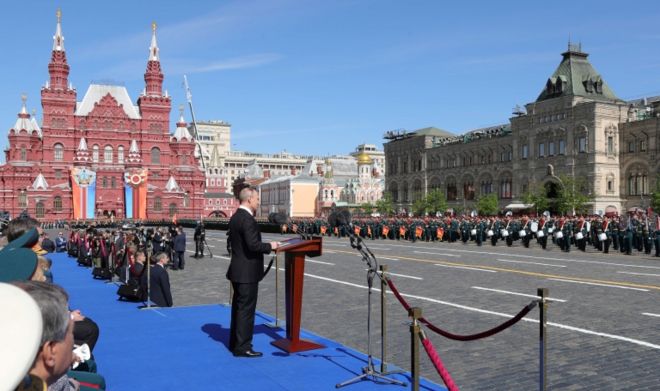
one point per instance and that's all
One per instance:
(179, 259)
(86, 331)
(243, 307)
(199, 247)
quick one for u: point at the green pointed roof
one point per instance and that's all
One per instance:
(575, 76)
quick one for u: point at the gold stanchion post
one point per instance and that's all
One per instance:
(415, 313)
(383, 318)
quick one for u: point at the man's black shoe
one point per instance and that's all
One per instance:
(248, 353)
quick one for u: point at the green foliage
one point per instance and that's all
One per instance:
(367, 208)
(419, 207)
(385, 206)
(573, 196)
(487, 205)
(536, 195)
(435, 201)
(655, 196)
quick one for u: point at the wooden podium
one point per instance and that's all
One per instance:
(295, 251)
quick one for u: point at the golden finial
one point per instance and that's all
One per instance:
(153, 26)
(24, 98)
(58, 13)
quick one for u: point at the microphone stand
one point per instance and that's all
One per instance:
(369, 372)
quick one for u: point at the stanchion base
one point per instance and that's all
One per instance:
(299, 345)
(276, 325)
(369, 373)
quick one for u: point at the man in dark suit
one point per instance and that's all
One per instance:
(179, 249)
(245, 271)
(159, 291)
(47, 244)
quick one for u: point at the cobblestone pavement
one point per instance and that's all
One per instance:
(604, 330)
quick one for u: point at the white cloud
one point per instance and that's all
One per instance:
(250, 61)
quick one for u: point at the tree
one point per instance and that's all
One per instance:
(655, 196)
(385, 206)
(419, 207)
(436, 202)
(487, 205)
(367, 208)
(536, 195)
(573, 196)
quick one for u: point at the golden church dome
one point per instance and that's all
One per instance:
(363, 158)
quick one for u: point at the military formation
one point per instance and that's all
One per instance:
(626, 234)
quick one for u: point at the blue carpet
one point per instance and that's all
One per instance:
(185, 348)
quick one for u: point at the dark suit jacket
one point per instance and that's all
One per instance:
(247, 249)
(48, 245)
(160, 286)
(180, 242)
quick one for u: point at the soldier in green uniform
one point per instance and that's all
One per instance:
(629, 237)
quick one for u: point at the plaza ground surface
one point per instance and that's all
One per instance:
(604, 320)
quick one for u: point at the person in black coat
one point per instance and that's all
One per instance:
(200, 239)
(179, 249)
(245, 271)
(47, 244)
(159, 292)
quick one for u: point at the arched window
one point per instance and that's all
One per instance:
(155, 155)
(107, 154)
(468, 190)
(95, 153)
(57, 204)
(113, 182)
(158, 204)
(23, 153)
(58, 152)
(22, 200)
(186, 200)
(104, 182)
(172, 209)
(39, 209)
(452, 192)
(505, 188)
(120, 154)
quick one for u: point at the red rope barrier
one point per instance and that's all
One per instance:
(437, 363)
(472, 337)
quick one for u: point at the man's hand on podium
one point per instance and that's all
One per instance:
(274, 245)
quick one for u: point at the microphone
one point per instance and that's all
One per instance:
(342, 218)
(280, 219)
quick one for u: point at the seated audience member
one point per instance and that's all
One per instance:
(60, 243)
(55, 353)
(24, 232)
(47, 244)
(18, 226)
(160, 293)
(137, 269)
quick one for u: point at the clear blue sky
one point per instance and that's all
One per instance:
(321, 76)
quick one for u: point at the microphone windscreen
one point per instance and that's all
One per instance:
(332, 219)
(344, 217)
(279, 218)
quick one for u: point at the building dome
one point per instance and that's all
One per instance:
(363, 158)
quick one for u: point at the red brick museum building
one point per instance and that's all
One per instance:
(103, 155)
